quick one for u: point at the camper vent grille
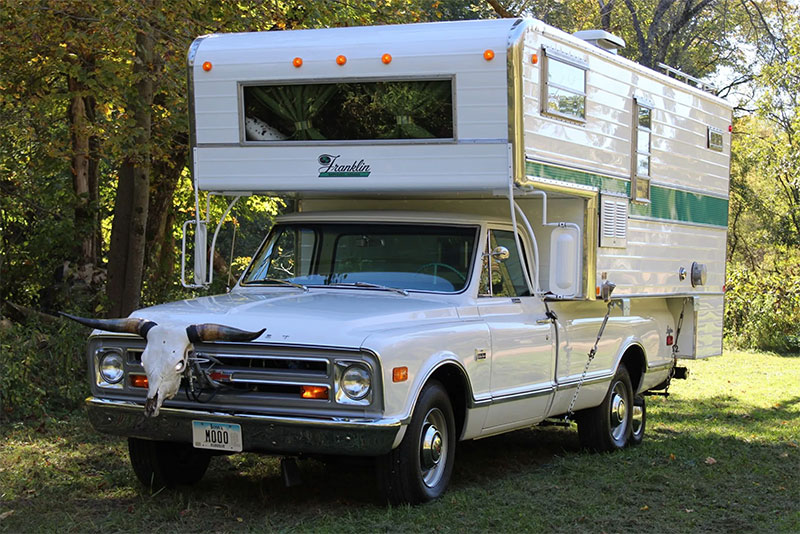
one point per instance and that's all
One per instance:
(613, 221)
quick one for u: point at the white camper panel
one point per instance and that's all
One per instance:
(476, 157)
(645, 241)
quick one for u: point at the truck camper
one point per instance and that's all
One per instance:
(494, 224)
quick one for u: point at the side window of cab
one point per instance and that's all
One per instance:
(507, 277)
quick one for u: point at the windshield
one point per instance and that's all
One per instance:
(412, 257)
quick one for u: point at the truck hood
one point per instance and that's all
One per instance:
(329, 317)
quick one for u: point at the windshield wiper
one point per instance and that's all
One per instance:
(280, 281)
(369, 286)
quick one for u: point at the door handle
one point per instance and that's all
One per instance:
(546, 320)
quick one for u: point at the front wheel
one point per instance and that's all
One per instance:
(419, 469)
(608, 427)
(160, 464)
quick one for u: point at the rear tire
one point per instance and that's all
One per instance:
(419, 469)
(638, 421)
(160, 464)
(608, 427)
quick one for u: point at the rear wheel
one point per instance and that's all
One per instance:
(638, 421)
(608, 427)
(160, 464)
(419, 469)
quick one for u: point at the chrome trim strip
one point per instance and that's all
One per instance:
(681, 223)
(332, 422)
(261, 357)
(524, 395)
(669, 295)
(658, 367)
(567, 384)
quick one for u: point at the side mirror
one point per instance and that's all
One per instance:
(500, 254)
(201, 254)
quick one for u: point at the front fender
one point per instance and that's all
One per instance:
(425, 351)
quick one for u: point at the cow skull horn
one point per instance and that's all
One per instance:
(218, 332)
(130, 325)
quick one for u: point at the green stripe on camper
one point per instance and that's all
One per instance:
(666, 203)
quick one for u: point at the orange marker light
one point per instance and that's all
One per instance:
(534, 58)
(297, 62)
(314, 392)
(399, 374)
(207, 66)
(488, 55)
(386, 58)
(341, 60)
(139, 381)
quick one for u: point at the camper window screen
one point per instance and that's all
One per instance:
(565, 87)
(349, 111)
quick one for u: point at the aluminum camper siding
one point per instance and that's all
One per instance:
(686, 219)
(476, 159)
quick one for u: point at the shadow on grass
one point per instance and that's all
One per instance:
(89, 485)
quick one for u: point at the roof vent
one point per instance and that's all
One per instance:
(602, 39)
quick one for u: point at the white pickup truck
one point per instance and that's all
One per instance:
(467, 198)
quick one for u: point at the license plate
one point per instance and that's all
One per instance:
(217, 436)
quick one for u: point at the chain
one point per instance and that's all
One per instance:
(592, 354)
(675, 348)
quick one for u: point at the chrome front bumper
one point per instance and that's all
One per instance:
(260, 433)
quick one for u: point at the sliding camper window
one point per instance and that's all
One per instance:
(642, 138)
(352, 111)
(564, 86)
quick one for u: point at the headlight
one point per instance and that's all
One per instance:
(355, 382)
(111, 367)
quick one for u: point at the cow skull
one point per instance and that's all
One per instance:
(166, 353)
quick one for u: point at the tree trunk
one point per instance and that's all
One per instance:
(160, 249)
(126, 263)
(81, 168)
(606, 7)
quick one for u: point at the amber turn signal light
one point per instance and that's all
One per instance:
(297, 62)
(207, 66)
(139, 381)
(488, 55)
(399, 374)
(314, 392)
(534, 58)
(341, 60)
(386, 58)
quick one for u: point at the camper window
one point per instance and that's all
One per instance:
(352, 111)
(715, 139)
(564, 86)
(640, 176)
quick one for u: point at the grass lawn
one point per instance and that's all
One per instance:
(720, 455)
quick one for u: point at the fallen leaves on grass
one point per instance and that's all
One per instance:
(710, 461)
(7, 514)
(644, 508)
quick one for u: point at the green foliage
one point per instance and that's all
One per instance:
(762, 307)
(42, 368)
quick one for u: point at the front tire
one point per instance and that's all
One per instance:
(608, 427)
(160, 464)
(419, 469)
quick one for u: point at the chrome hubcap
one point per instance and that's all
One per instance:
(433, 447)
(636, 422)
(619, 412)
